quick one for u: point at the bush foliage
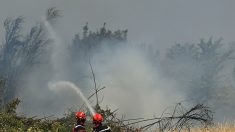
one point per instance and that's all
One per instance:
(11, 122)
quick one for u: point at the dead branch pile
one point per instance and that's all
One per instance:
(180, 118)
(198, 116)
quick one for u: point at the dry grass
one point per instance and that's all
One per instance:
(218, 128)
(222, 129)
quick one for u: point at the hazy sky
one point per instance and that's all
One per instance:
(160, 22)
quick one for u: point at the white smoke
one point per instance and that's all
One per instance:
(133, 85)
(59, 55)
(37, 99)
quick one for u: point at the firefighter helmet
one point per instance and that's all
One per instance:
(80, 115)
(97, 118)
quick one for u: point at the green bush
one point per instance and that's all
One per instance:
(11, 122)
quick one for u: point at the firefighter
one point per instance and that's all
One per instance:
(81, 118)
(99, 127)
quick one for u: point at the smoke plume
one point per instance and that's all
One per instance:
(136, 84)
